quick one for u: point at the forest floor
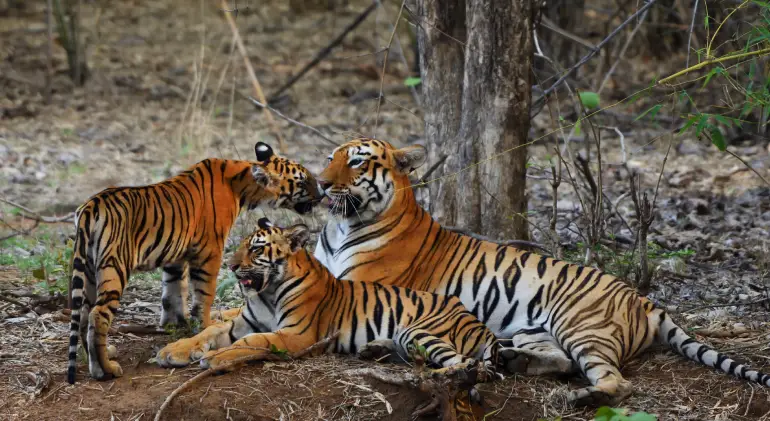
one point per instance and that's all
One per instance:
(164, 93)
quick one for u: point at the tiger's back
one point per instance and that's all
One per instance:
(559, 317)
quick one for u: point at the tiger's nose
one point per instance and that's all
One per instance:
(234, 267)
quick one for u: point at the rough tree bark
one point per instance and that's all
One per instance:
(476, 99)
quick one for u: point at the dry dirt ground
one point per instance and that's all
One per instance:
(164, 93)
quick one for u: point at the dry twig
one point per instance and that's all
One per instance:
(692, 26)
(292, 121)
(237, 362)
(250, 71)
(385, 64)
(30, 214)
(445, 386)
(623, 52)
(537, 105)
(323, 53)
(645, 216)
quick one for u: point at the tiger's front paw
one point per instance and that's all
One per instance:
(181, 353)
(225, 315)
(217, 360)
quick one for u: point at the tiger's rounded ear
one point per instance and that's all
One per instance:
(262, 176)
(298, 236)
(409, 158)
(264, 223)
(264, 151)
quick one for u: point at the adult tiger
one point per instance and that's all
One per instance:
(180, 224)
(293, 301)
(561, 317)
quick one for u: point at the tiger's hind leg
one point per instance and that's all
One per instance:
(536, 352)
(174, 299)
(111, 281)
(438, 352)
(204, 280)
(608, 385)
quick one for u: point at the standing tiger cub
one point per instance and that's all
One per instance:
(292, 302)
(557, 316)
(180, 224)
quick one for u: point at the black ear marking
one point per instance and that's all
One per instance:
(264, 223)
(264, 151)
(298, 236)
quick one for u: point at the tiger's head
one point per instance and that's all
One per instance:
(292, 185)
(363, 177)
(261, 259)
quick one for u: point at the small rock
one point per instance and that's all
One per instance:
(67, 158)
(20, 252)
(16, 320)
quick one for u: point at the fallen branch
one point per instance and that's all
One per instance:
(446, 386)
(292, 121)
(234, 363)
(747, 303)
(250, 71)
(30, 214)
(16, 303)
(17, 232)
(730, 332)
(323, 53)
(138, 329)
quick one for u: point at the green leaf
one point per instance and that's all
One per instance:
(642, 416)
(702, 122)
(39, 273)
(690, 121)
(606, 413)
(717, 139)
(412, 81)
(715, 71)
(652, 111)
(589, 99)
(577, 128)
(727, 121)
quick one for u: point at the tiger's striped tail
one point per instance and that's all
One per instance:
(79, 276)
(673, 335)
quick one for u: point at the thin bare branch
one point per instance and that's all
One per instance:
(622, 52)
(30, 214)
(692, 26)
(385, 65)
(323, 53)
(250, 71)
(237, 362)
(537, 104)
(293, 121)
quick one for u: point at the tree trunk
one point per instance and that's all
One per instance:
(476, 100)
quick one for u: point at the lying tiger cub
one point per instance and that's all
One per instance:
(293, 301)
